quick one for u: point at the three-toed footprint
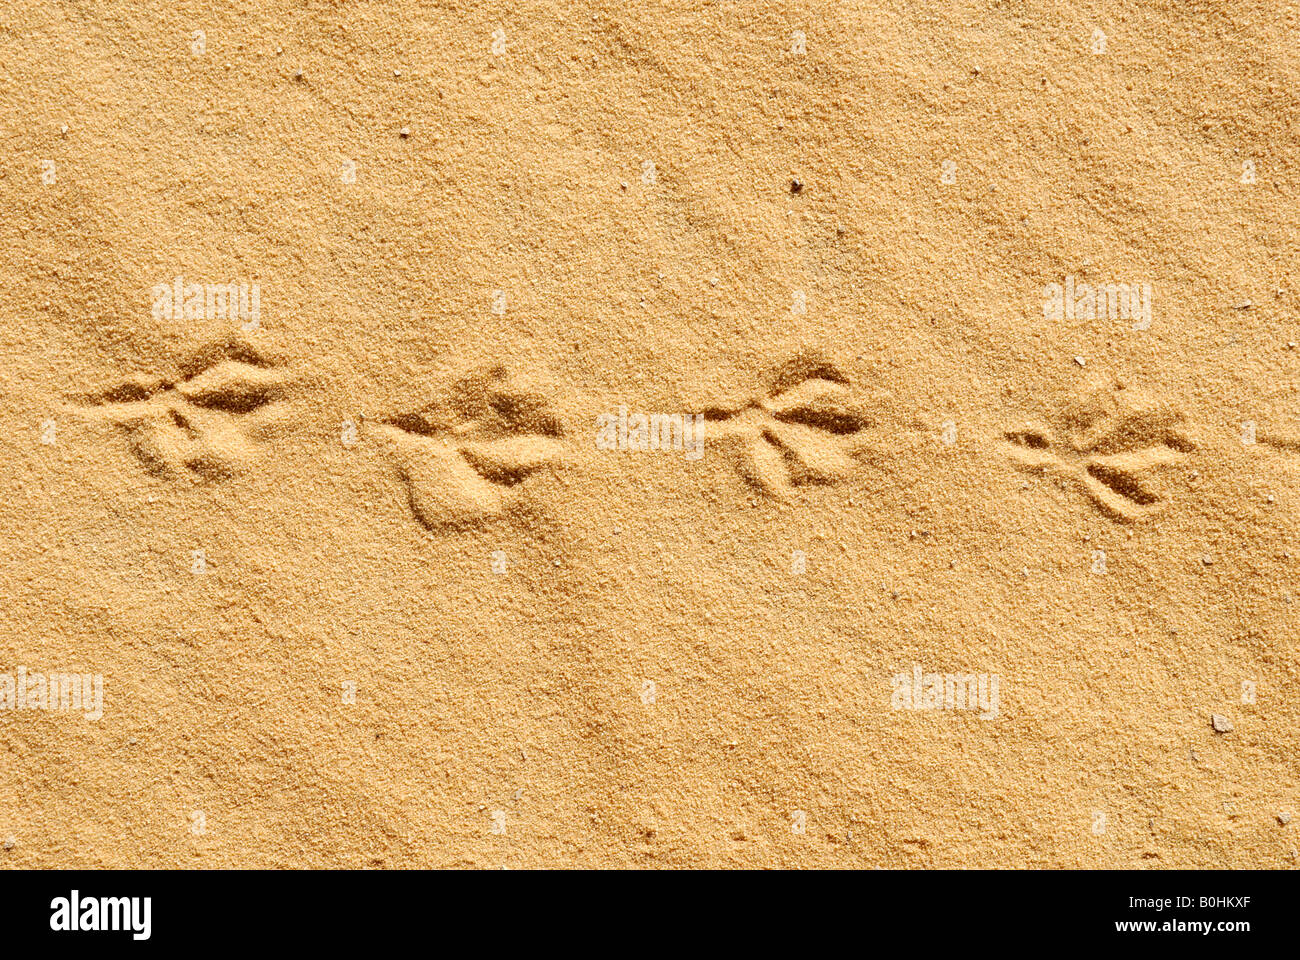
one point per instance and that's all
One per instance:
(1109, 444)
(462, 456)
(800, 430)
(201, 424)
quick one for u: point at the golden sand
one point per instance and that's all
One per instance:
(354, 527)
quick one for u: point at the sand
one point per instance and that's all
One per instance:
(374, 573)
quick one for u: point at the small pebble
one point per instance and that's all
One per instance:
(405, 131)
(1245, 305)
(1290, 344)
(1284, 817)
(10, 843)
(1220, 724)
(1207, 560)
(297, 74)
(1080, 361)
(796, 186)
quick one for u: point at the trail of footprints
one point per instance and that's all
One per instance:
(464, 456)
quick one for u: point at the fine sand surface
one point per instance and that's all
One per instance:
(366, 586)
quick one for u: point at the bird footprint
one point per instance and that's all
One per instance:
(799, 431)
(462, 457)
(199, 424)
(1109, 446)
